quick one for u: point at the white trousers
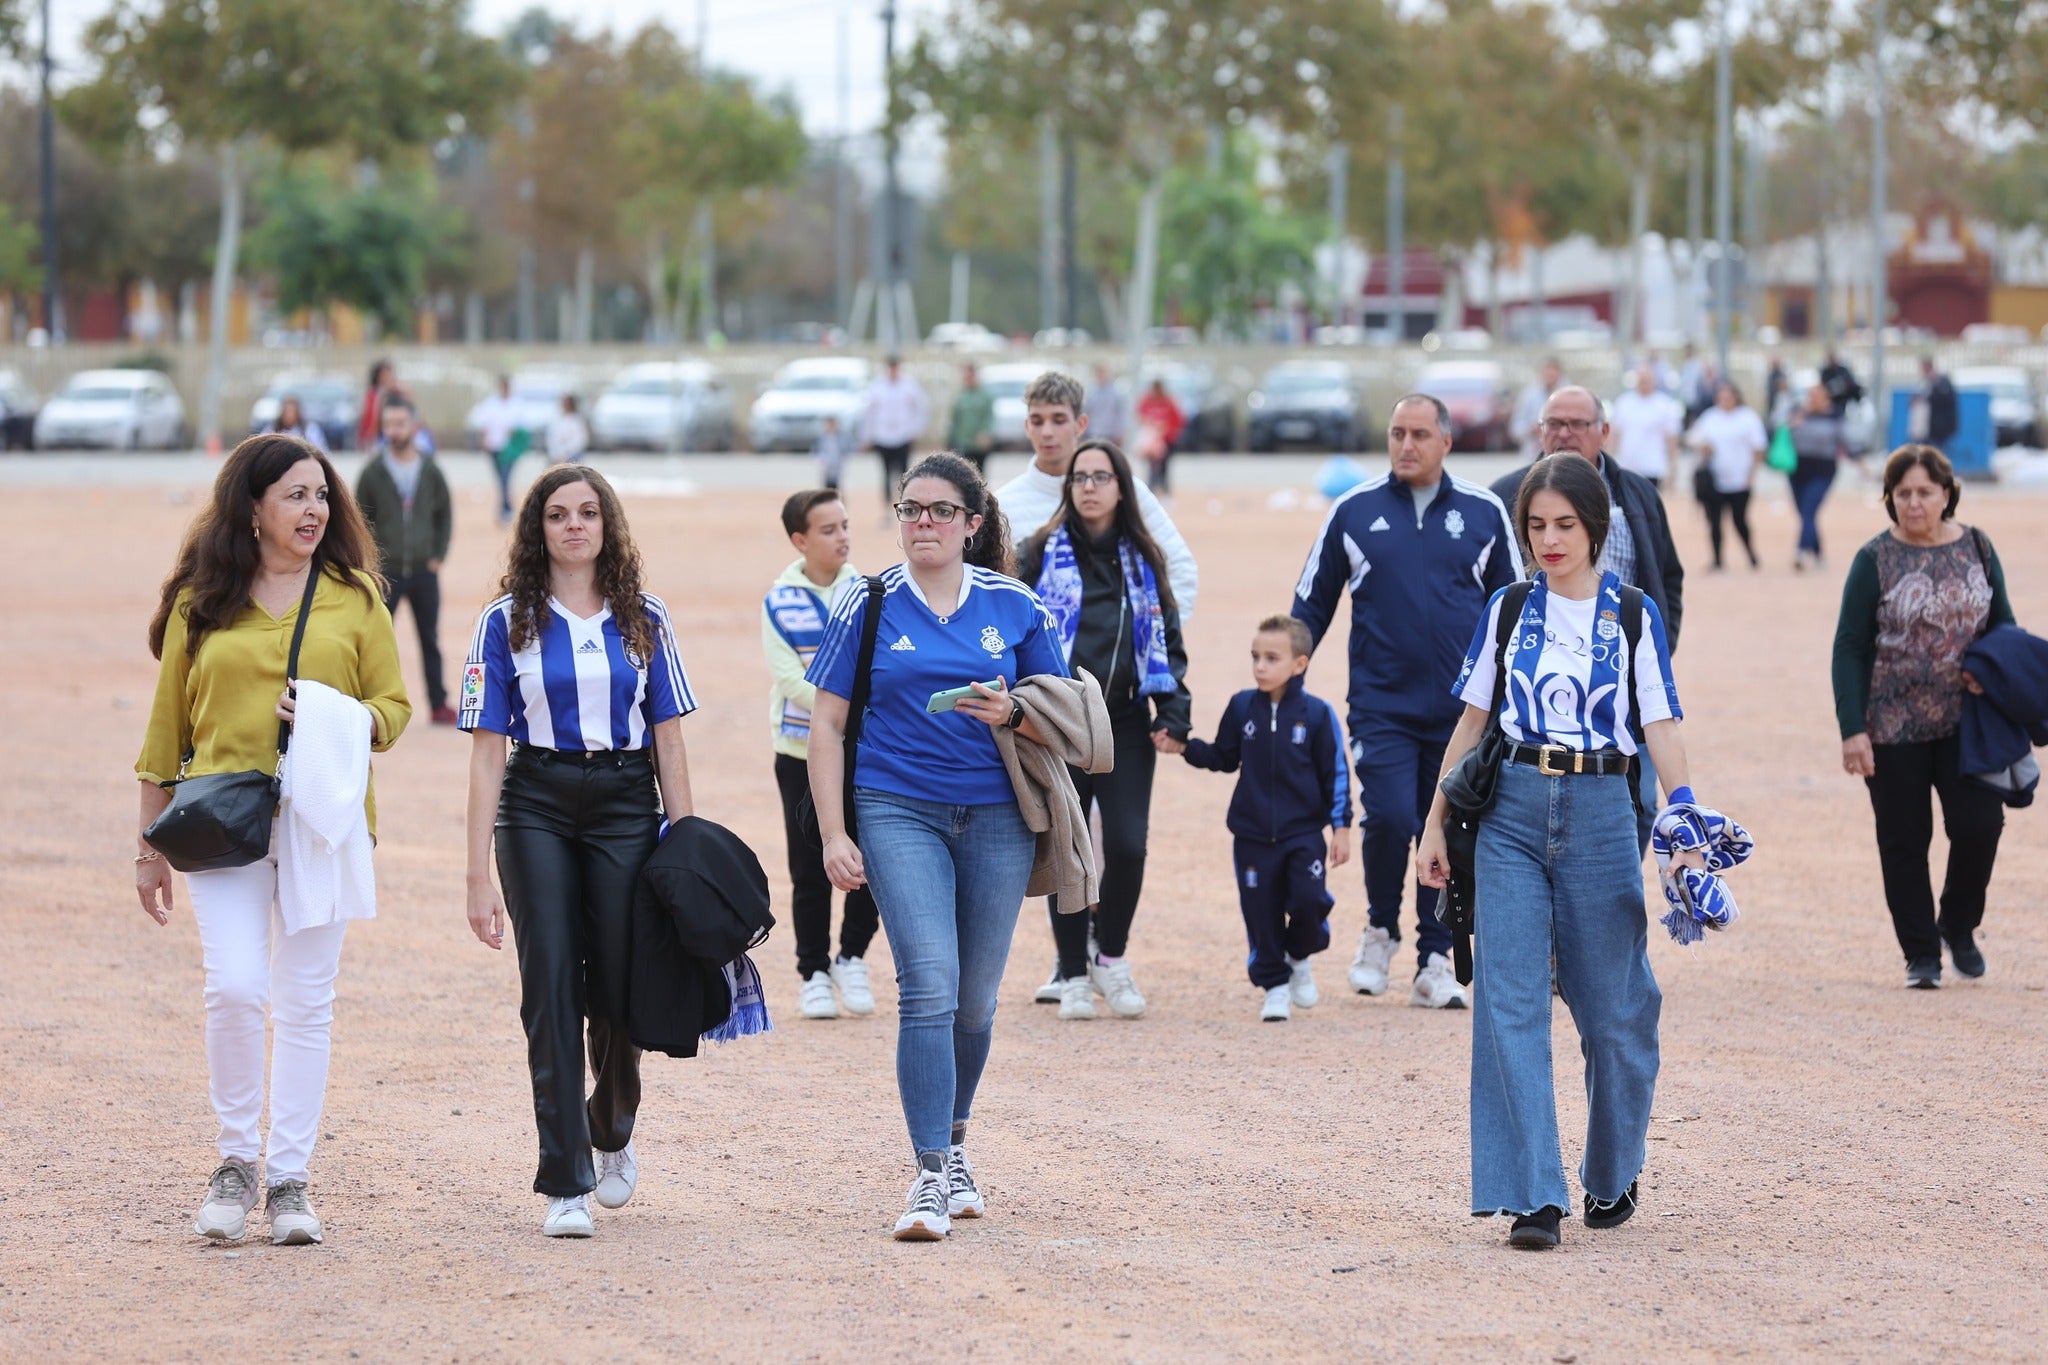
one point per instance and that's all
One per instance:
(254, 971)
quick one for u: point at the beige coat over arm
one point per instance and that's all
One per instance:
(1070, 713)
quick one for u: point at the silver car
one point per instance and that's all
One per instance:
(115, 409)
(663, 405)
(792, 410)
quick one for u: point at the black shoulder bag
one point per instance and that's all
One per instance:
(856, 713)
(1469, 786)
(223, 819)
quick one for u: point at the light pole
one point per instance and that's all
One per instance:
(886, 331)
(1879, 285)
(49, 140)
(1724, 195)
(1397, 219)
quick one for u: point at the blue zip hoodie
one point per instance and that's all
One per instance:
(1418, 588)
(1294, 781)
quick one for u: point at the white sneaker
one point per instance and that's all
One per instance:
(926, 1220)
(1436, 986)
(618, 1175)
(1374, 958)
(817, 1000)
(850, 975)
(568, 1217)
(1301, 984)
(1077, 998)
(1049, 993)
(963, 1197)
(292, 1220)
(1278, 1008)
(1113, 982)
(229, 1196)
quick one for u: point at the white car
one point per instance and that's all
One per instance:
(118, 409)
(1006, 384)
(792, 410)
(663, 405)
(964, 336)
(332, 401)
(536, 401)
(2015, 407)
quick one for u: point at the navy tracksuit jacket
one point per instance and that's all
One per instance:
(1418, 588)
(1292, 785)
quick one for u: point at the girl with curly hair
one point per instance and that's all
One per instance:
(579, 669)
(279, 538)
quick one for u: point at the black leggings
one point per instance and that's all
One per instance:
(1125, 798)
(1971, 816)
(1737, 506)
(810, 890)
(573, 830)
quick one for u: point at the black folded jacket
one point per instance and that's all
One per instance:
(701, 901)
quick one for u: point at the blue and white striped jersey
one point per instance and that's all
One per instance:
(575, 687)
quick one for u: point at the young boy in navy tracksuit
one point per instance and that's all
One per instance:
(1293, 786)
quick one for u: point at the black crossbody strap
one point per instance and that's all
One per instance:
(857, 704)
(1504, 631)
(291, 666)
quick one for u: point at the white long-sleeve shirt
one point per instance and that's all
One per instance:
(895, 412)
(1029, 500)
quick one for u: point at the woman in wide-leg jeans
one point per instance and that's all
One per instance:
(1557, 871)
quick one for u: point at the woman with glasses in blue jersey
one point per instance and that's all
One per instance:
(1558, 873)
(940, 839)
(580, 670)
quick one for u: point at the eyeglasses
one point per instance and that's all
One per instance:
(1094, 478)
(1577, 426)
(941, 512)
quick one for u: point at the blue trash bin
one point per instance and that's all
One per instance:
(1969, 450)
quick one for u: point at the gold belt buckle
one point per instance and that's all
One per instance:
(1543, 754)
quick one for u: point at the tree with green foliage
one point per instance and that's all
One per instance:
(1229, 247)
(368, 248)
(21, 266)
(373, 78)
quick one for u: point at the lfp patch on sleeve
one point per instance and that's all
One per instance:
(472, 686)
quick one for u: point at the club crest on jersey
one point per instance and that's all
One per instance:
(1250, 728)
(992, 641)
(1455, 523)
(1300, 735)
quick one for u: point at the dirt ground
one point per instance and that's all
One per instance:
(1838, 1169)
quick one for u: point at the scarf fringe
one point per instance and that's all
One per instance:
(749, 1004)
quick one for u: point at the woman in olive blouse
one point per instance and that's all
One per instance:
(1917, 596)
(223, 631)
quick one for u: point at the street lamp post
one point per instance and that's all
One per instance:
(49, 141)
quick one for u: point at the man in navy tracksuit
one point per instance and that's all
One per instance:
(1421, 552)
(1293, 786)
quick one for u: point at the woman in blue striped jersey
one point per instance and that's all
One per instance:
(579, 669)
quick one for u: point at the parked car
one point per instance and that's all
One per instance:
(1307, 402)
(2015, 403)
(536, 400)
(1054, 337)
(1006, 384)
(964, 336)
(791, 410)
(664, 405)
(806, 334)
(1477, 396)
(18, 404)
(117, 409)
(332, 400)
(1204, 403)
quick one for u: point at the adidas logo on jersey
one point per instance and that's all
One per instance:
(1378, 524)
(590, 647)
(903, 644)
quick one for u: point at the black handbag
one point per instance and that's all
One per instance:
(1469, 786)
(856, 713)
(223, 820)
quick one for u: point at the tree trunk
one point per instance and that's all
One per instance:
(1631, 328)
(225, 251)
(1112, 305)
(586, 295)
(1145, 272)
(1492, 291)
(657, 289)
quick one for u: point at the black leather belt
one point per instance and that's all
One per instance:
(1554, 760)
(584, 758)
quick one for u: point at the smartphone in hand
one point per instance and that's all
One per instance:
(942, 702)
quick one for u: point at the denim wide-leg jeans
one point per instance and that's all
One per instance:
(948, 881)
(1557, 871)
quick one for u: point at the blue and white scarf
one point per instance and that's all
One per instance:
(1059, 587)
(749, 1003)
(1699, 900)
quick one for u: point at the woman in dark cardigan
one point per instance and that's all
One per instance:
(1917, 595)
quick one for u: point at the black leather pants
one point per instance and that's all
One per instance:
(573, 830)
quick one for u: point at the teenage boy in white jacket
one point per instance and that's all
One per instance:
(1055, 421)
(792, 623)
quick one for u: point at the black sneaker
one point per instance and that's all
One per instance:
(1536, 1231)
(1600, 1214)
(1924, 974)
(1967, 957)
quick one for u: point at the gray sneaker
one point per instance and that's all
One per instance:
(229, 1196)
(292, 1220)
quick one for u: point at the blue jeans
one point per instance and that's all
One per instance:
(1557, 872)
(1397, 767)
(948, 880)
(1811, 479)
